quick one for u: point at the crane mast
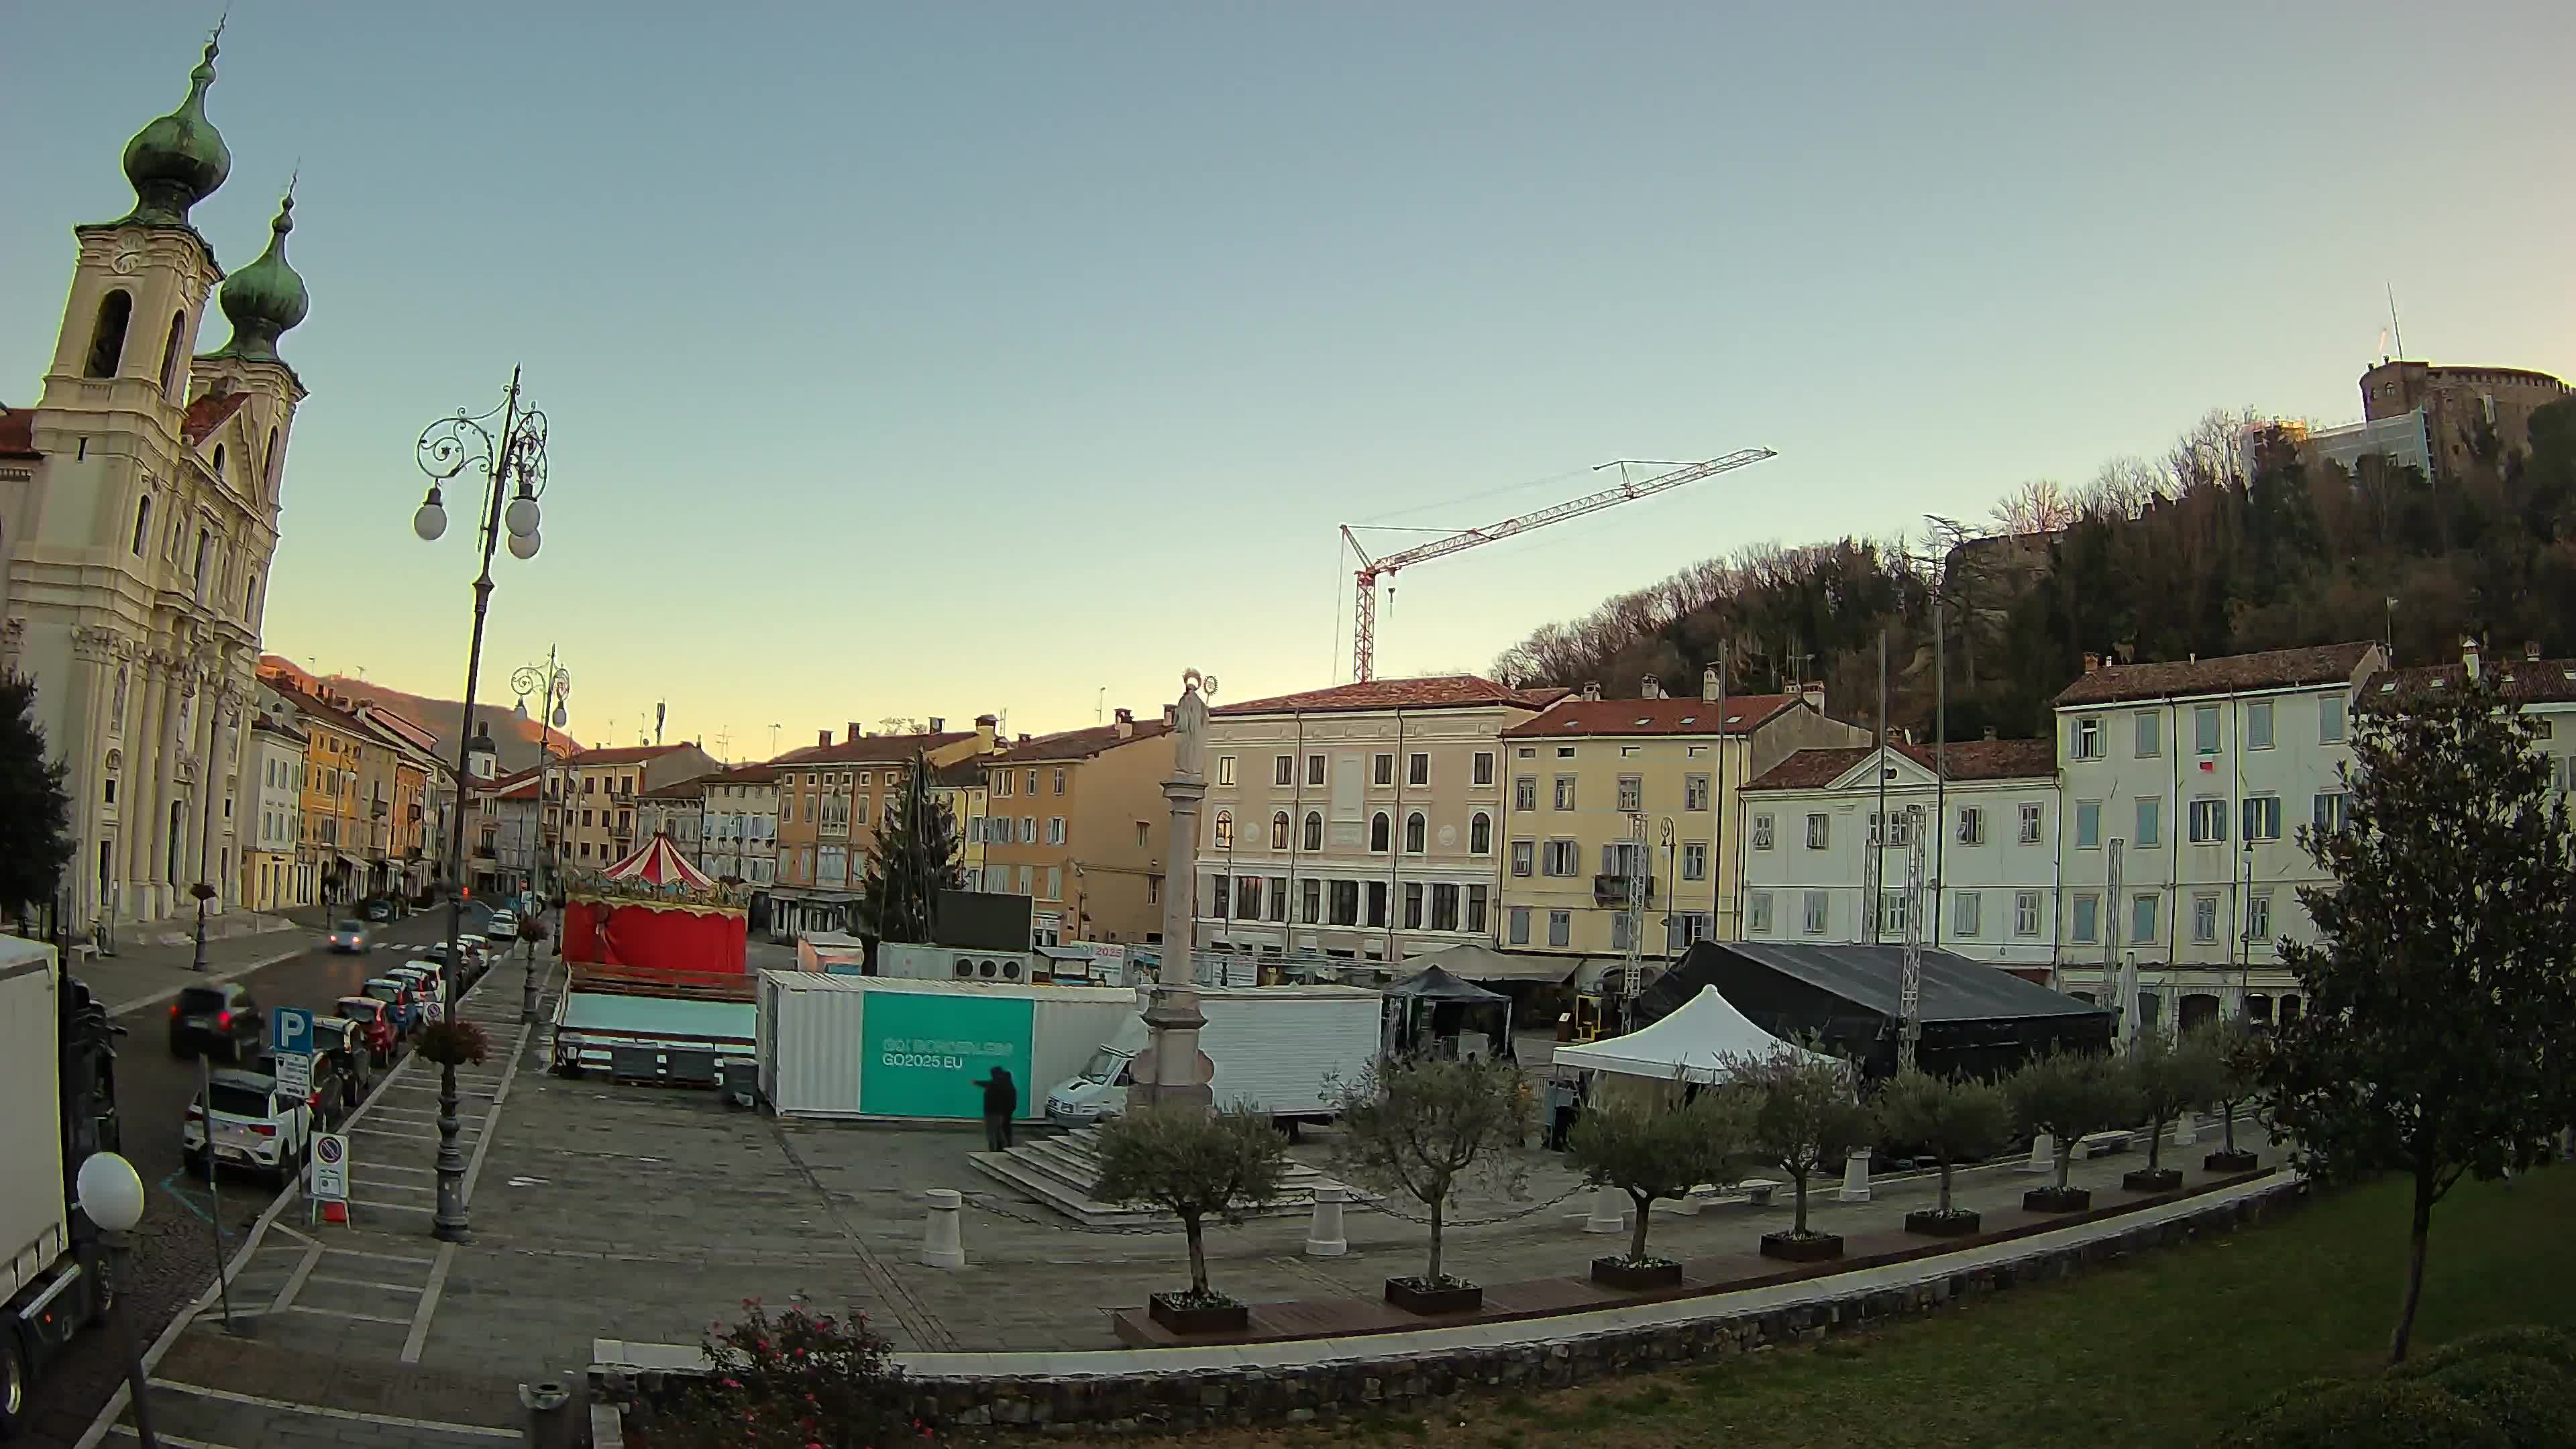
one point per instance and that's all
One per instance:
(1364, 605)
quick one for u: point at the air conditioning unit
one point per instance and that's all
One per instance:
(950, 963)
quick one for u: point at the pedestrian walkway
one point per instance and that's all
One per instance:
(141, 975)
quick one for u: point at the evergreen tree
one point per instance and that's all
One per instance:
(35, 813)
(2441, 1013)
(916, 857)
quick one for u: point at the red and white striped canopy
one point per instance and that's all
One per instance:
(658, 863)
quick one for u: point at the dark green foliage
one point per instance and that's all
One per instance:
(1420, 1126)
(1663, 1150)
(2531, 1400)
(1194, 1165)
(2171, 1076)
(2441, 1016)
(2372, 1414)
(1807, 1116)
(1955, 1120)
(2524, 1340)
(916, 856)
(35, 814)
(2069, 1094)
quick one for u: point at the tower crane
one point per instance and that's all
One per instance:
(1364, 616)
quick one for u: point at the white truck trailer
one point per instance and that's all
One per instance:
(56, 1065)
(1283, 1050)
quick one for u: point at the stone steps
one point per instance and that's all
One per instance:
(1059, 1171)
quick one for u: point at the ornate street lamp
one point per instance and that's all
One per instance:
(553, 683)
(515, 456)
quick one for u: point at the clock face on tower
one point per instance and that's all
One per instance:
(129, 256)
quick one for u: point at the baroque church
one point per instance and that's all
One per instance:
(138, 515)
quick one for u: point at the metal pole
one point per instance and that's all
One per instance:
(1940, 764)
(214, 1193)
(2109, 922)
(1909, 981)
(137, 1383)
(1878, 824)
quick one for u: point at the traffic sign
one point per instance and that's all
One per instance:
(331, 1167)
(290, 1031)
(295, 1073)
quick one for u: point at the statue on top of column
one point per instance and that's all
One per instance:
(1189, 724)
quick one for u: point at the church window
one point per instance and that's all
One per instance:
(268, 462)
(219, 462)
(170, 354)
(107, 339)
(142, 523)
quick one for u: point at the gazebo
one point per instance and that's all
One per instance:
(1433, 1008)
(653, 911)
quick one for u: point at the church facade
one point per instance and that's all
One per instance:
(138, 517)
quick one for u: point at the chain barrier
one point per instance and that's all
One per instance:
(983, 1202)
(1381, 1206)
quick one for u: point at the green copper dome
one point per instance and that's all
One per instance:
(178, 160)
(266, 298)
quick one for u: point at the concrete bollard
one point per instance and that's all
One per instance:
(942, 1246)
(1324, 1237)
(551, 1423)
(2186, 1132)
(2043, 1154)
(1609, 1211)
(1855, 1177)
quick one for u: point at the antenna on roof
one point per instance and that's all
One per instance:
(2396, 334)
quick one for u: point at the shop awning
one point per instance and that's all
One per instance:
(1472, 962)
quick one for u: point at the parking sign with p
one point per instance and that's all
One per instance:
(290, 1031)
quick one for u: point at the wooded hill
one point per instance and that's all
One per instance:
(2205, 551)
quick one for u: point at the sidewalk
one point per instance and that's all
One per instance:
(140, 975)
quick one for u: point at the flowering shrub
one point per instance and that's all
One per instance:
(796, 1380)
(454, 1043)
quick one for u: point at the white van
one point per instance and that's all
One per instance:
(1283, 1050)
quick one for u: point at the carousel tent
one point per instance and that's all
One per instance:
(658, 863)
(1689, 1045)
(653, 911)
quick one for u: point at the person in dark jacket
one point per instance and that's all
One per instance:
(1001, 1100)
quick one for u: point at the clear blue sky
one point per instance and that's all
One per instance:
(940, 359)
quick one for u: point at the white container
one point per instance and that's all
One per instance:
(35, 1222)
(1283, 1050)
(875, 1047)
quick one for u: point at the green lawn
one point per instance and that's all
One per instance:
(2168, 1350)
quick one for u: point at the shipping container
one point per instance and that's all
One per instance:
(1282, 1050)
(884, 1048)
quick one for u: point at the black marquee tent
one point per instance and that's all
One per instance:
(1978, 1019)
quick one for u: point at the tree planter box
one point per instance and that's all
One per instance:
(1413, 1295)
(1957, 1223)
(1813, 1248)
(2056, 1200)
(2158, 1179)
(2237, 1161)
(1180, 1316)
(1636, 1277)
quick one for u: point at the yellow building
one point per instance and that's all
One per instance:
(831, 800)
(962, 787)
(597, 797)
(1592, 780)
(332, 838)
(1077, 822)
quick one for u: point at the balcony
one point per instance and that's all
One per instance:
(1612, 890)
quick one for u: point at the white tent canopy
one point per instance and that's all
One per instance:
(1689, 1045)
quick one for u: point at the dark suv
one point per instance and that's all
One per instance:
(221, 1020)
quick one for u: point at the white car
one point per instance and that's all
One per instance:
(254, 1124)
(502, 927)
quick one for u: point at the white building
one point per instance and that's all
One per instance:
(676, 810)
(1817, 868)
(277, 879)
(2196, 776)
(739, 836)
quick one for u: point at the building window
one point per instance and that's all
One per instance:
(2087, 739)
(2330, 720)
(142, 521)
(1001, 783)
(2142, 920)
(1029, 828)
(2088, 824)
(1694, 792)
(2025, 913)
(1632, 793)
(2151, 733)
(1480, 834)
(1757, 912)
(2208, 824)
(1565, 792)
(1967, 913)
(1346, 903)
(1619, 931)
(2151, 820)
(2258, 917)
(1310, 901)
(2204, 729)
(1563, 858)
(1444, 907)
(1379, 827)
(1524, 857)
(2030, 818)
(1516, 926)
(1816, 912)
(1560, 928)
(1283, 770)
(2332, 810)
(1484, 769)
(1314, 832)
(2262, 817)
(1224, 773)
(2088, 918)
(2258, 725)
(1377, 904)
(2204, 919)
(1525, 792)
(1899, 832)
(1695, 861)
(1416, 831)
(1382, 769)
(1279, 898)
(1891, 912)
(1475, 909)
(107, 338)
(1761, 832)
(1565, 752)
(1972, 825)
(1417, 770)
(1820, 831)
(1279, 830)
(1315, 770)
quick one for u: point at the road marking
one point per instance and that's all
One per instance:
(342, 1313)
(427, 1308)
(294, 1283)
(366, 1283)
(392, 1207)
(384, 1257)
(173, 1440)
(436, 1426)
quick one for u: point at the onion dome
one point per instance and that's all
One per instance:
(266, 298)
(178, 160)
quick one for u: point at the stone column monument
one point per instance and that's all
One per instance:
(1172, 1073)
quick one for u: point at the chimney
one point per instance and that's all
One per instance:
(2531, 651)
(1171, 714)
(823, 738)
(2092, 663)
(1990, 732)
(2469, 655)
(1024, 739)
(855, 731)
(938, 724)
(1592, 689)
(1126, 724)
(1708, 688)
(985, 724)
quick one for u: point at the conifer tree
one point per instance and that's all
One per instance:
(916, 856)
(35, 813)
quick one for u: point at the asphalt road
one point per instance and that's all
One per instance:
(175, 1253)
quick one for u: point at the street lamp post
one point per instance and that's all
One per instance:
(554, 683)
(517, 454)
(110, 1193)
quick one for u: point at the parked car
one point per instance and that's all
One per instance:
(243, 1119)
(424, 978)
(351, 937)
(380, 909)
(222, 1020)
(330, 1098)
(352, 1055)
(376, 1019)
(504, 926)
(400, 996)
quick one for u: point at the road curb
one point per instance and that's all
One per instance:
(211, 978)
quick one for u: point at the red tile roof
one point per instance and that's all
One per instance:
(756, 774)
(18, 434)
(872, 749)
(1447, 691)
(2531, 681)
(209, 413)
(1575, 717)
(2228, 674)
(623, 755)
(1079, 744)
(1964, 760)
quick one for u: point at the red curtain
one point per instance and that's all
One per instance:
(647, 938)
(580, 933)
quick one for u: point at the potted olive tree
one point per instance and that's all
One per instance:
(2238, 1050)
(1194, 1166)
(1807, 1118)
(1952, 1121)
(2067, 1095)
(1653, 1151)
(1422, 1127)
(2170, 1076)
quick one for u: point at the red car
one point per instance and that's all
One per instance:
(377, 1020)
